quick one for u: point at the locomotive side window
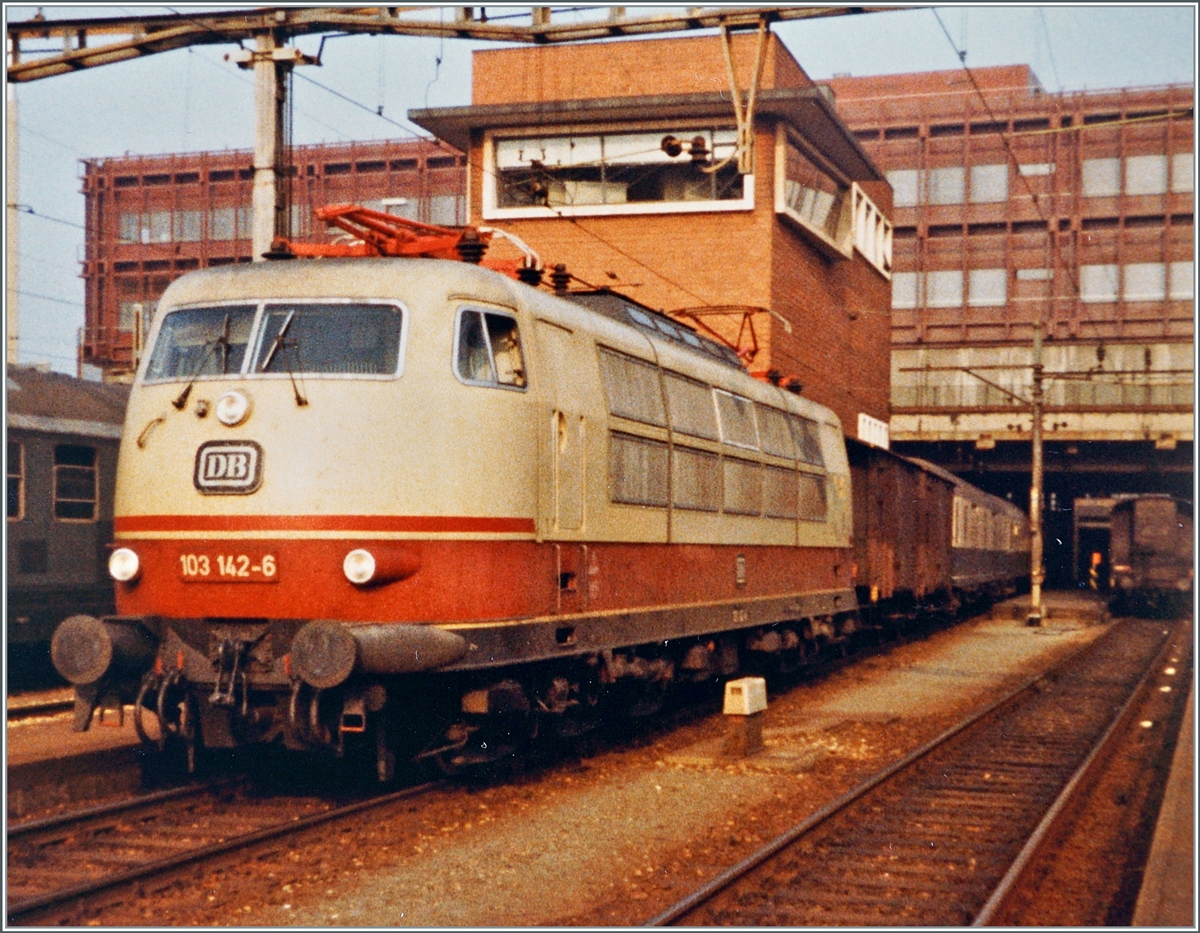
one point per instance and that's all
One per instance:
(75, 482)
(489, 350)
(637, 470)
(632, 388)
(808, 441)
(774, 434)
(691, 405)
(779, 492)
(737, 420)
(335, 338)
(16, 481)
(743, 487)
(696, 480)
(812, 498)
(201, 342)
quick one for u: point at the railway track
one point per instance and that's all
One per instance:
(56, 863)
(20, 708)
(941, 837)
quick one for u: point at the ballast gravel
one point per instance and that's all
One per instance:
(617, 837)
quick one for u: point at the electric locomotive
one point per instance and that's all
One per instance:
(418, 506)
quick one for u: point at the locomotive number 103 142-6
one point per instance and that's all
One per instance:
(202, 567)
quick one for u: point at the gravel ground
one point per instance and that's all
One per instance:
(617, 837)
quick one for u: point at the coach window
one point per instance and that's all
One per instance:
(743, 486)
(489, 350)
(75, 482)
(16, 481)
(779, 492)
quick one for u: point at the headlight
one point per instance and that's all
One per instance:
(233, 408)
(123, 565)
(359, 566)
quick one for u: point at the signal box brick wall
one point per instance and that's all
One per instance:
(627, 69)
(838, 346)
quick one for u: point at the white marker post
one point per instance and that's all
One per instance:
(745, 702)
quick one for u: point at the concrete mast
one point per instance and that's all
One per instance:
(12, 318)
(270, 86)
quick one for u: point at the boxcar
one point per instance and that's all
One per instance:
(902, 534)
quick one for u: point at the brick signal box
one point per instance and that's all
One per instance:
(630, 163)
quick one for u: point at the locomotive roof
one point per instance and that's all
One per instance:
(628, 311)
(411, 279)
(381, 278)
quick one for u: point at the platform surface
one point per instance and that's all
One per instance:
(1168, 895)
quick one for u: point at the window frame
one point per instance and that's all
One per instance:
(491, 209)
(725, 439)
(481, 309)
(95, 498)
(843, 244)
(20, 478)
(254, 343)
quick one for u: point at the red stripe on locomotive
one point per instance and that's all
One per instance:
(460, 580)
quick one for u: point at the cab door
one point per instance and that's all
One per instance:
(561, 501)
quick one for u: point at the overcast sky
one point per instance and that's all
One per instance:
(192, 100)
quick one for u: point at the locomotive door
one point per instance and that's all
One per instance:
(560, 354)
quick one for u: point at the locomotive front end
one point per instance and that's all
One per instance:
(289, 522)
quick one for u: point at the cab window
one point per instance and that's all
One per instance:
(201, 342)
(489, 349)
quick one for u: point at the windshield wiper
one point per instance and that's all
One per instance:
(277, 342)
(222, 341)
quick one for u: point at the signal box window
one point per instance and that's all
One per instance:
(75, 483)
(16, 481)
(688, 168)
(489, 350)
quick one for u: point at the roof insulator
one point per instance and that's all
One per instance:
(560, 278)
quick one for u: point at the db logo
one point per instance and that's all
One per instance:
(228, 468)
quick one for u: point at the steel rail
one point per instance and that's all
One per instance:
(44, 708)
(115, 808)
(26, 908)
(1079, 780)
(726, 878)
